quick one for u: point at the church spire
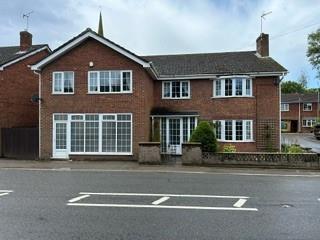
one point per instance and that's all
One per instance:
(100, 28)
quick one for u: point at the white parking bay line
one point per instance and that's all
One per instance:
(160, 206)
(76, 199)
(240, 203)
(6, 191)
(3, 194)
(161, 200)
(163, 195)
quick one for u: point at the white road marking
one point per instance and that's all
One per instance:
(160, 206)
(162, 195)
(3, 194)
(240, 203)
(7, 191)
(312, 175)
(76, 199)
(160, 200)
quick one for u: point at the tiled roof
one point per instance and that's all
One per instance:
(8, 54)
(213, 63)
(294, 97)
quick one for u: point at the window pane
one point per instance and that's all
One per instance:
(248, 87)
(228, 87)
(248, 130)
(192, 124)
(185, 129)
(218, 87)
(126, 81)
(93, 81)
(108, 136)
(238, 87)
(77, 136)
(185, 89)
(124, 117)
(239, 130)
(228, 130)
(68, 82)
(166, 89)
(115, 81)
(124, 137)
(57, 82)
(218, 129)
(163, 135)
(176, 89)
(61, 136)
(104, 82)
(109, 117)
(92, 137)
(60, 117)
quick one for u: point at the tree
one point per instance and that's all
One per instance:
(292, 87)
(313, 52)
(205, 135)
(303, 79)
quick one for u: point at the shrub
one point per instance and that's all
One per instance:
(295, 149)
(229, 148)
(205, 135)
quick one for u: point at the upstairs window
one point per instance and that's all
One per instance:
(307, 107)
(110, 81)
(63, 83)
(284, 107)
(232, 87)
(176, 89)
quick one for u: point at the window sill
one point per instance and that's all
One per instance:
(214, 97)
(100, 154)
(186, 98)
(107, 93)
(62, 93)
(231, 141)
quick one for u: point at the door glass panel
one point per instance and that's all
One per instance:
(174, 131)
(61, 136)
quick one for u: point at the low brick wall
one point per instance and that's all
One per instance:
(191, 154)
(303, 160)
(149, 153)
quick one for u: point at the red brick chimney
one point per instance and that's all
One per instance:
(25, 40)
(263, 45)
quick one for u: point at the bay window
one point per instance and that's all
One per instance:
(110, 81)
(176, 89)
(232, 87)
(234, 130)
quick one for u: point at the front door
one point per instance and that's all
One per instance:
(60, 140)
(175, 136)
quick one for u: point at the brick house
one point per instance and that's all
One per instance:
(99, 100)
(299, 112)
(19, 83)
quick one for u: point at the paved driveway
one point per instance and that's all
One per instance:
(306, 140)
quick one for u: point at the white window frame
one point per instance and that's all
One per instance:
(308, 122)
(305, 107)
(285, 107)
(170, 89)
(109, 71)
(69, 120)
(62, 82)
(244, 130)
(234, 79)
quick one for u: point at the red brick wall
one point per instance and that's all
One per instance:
(138, 103)
(263, 105)
(17, 85)
(293, 114)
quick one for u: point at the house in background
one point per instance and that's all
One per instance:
(299, 112)
(18, 83)
(99, 100)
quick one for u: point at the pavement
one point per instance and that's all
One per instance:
(306, 140)
(124, 200)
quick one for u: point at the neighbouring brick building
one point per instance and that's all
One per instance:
(18, 83)
(99, 100)
(299, 112)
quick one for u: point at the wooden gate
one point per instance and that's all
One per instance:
(20, 143)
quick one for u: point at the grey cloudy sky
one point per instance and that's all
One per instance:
(173, 26)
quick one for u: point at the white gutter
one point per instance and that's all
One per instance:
(23, 57)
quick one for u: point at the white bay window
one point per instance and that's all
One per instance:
(237, 86)
(234, 130)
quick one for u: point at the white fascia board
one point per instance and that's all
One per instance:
(81, 39)
(23, 57)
